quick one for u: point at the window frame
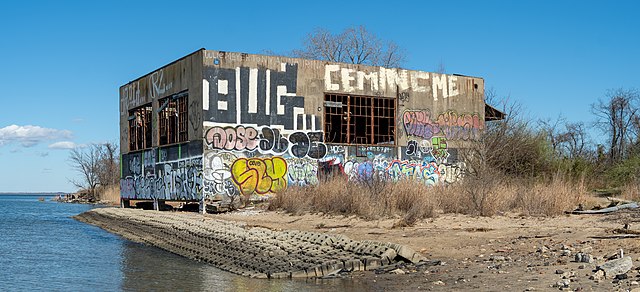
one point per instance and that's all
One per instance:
(375, 115)
(140, 127)
(173, 120)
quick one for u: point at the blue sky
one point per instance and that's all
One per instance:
(63, 61)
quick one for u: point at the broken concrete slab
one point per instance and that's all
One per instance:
(616, 267)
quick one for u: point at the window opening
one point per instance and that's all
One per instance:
(140, 128)
(363, 120)
(172, 119)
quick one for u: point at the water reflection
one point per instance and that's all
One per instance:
(151, 269)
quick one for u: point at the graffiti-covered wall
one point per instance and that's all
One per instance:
(259, 124)
(167, 173)
(172, 170)
(264, 123)
(180, 76)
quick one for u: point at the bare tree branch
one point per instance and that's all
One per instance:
(97, 165)
(354, 45)
(617, 116)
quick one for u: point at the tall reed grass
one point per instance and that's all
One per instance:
(410, 200)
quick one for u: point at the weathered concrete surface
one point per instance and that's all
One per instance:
(249, 251)
(616, 267)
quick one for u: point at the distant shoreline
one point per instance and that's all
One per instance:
(31, 194)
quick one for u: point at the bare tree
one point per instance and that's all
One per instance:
(354, 45)
(108, 166)
(97, 164)
(553, 130)
(86, 161)
(568, 140)
(575, 140)
(617, 116)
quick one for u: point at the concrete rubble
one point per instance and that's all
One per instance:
(616, 267)
(250, 251)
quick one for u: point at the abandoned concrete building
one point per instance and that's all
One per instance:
(218, 125)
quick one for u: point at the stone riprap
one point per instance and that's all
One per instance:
(249, 251)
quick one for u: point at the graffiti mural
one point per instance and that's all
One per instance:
(439, 149)
(302, 172)
(168, 173)
(217, 175)
(343, 79)
(434, 150)
(450, 125)
(260, 176)
(256, 96)
(451, 173)
(175, 180)
(180, 180)
(237, 138)
(267, 140)
(429, 173)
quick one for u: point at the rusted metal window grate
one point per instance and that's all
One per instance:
(140, 128)
(362, 120)
(172, 119)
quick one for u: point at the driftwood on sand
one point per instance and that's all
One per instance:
(632, 205)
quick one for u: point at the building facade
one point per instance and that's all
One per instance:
(218, 125)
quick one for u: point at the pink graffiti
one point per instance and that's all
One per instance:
(460, 126)
(449, 124)
(418, 123)
(230, 138)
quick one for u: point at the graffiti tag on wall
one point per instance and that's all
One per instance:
(256, 96)
(260, 175)
(217, 175)
(174, 180)
(302, 172)
(433, 150)
(266, 140)
(349, 80)
(450, 125)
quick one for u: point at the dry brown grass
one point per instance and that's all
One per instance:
(411, 200)
(408, 200)
(631, 192)
(109, 195)
(552, 197)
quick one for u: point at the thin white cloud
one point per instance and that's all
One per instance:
(29, 135)
(63, 145)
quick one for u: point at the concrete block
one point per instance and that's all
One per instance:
(299, 274)
(408, 254)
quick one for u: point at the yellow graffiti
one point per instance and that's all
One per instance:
(260, 175)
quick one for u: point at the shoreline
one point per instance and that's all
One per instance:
(252, 251)
(507, 252)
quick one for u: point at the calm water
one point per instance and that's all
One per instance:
(43, 249)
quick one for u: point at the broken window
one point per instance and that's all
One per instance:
(172, 119)
(140, 128)
(361, 120)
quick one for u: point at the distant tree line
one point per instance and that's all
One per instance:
(547, 147)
